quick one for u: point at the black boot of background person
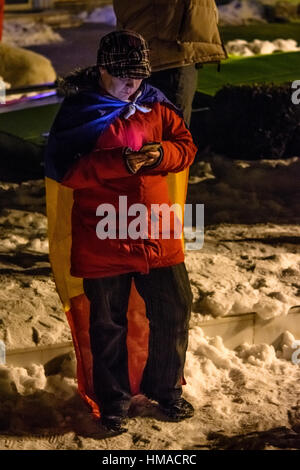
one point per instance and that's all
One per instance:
(113, 425)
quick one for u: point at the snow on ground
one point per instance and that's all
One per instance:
(30, 310)
(242, 267)
(241, 47)
(234, 393)
(240, 12)
(26, 32)
(104, 15)
(6, 84)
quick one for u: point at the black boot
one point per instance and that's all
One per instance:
(113, 424)
(177, 410)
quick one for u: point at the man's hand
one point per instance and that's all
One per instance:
(146, 156)
(152, 152)
(136, 160)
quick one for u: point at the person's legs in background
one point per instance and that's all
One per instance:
(179, 85)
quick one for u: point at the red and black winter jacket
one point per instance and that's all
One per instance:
(102, 175)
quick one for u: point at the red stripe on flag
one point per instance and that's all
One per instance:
(137, 344)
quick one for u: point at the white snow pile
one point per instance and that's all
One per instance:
(104, 15)
(229, 383)
(30, 232)
(6, 84)
(253, 265)
(31, 401)
(239, 12)
(29, 195)
(252, 387)
(241, 47)
(25, 33)
(26, 381)
(263, 281)
(30, 309)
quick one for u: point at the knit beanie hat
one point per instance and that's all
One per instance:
(124, 54)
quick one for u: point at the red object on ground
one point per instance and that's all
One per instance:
(1, 17)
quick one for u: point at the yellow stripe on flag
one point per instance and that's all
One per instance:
(59, 209)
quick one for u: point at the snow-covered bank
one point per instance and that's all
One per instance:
(241, 47)
(246, 269)
(104, 15)
(6, 84)
(30, 309)
(243, 12)
(233, 392)
(240, 12)
(23, 33)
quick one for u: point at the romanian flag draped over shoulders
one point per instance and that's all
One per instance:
(80, 121)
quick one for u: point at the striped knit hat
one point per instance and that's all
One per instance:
(124, 54)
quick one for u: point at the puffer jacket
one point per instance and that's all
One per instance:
(179, 32)
(102, 175)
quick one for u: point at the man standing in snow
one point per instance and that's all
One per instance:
(182, 35)
(136, 137)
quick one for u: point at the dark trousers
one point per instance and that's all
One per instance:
(168, 298)
(179, 85)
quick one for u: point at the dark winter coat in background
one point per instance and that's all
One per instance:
(179, 32)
